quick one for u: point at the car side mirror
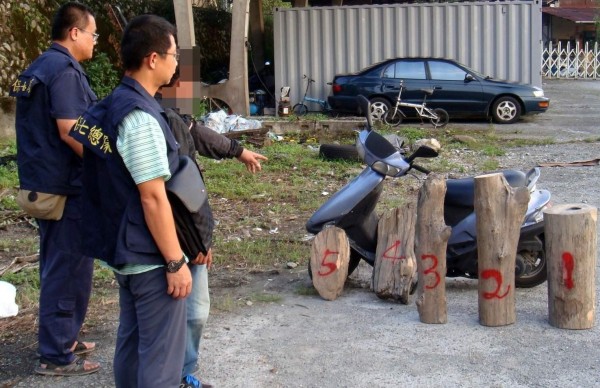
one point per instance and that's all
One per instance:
(469, 77)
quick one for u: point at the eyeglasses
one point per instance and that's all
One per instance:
(175, 55)
(94, 35)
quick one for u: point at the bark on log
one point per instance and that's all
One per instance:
(329, 258)
(431, 241)
(500, 209)
(395, 266)
(570, 232)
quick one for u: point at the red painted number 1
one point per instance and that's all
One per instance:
(432, 269)
(568, 266)
(330, 266)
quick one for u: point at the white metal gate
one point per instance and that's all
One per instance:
(565, 61)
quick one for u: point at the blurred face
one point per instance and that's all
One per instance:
(85, 40)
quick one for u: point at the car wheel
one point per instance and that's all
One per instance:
(379, 108)
(506, 110)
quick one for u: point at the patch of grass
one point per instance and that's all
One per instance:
(261, 251)
(489, 165)
(263, 297)
(225, 303)
(27, 282)
(306, 291)
(20, 246)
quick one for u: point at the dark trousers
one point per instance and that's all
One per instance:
(152, 330)
(65, 284)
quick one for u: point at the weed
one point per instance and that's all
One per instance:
(306, 291)
(263, 297)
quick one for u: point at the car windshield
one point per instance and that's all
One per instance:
(478, 74)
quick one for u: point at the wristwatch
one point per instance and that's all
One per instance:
(174, 266)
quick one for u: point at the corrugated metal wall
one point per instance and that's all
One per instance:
(500, 39)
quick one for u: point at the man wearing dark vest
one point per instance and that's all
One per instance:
(51, 94)
(129, 153)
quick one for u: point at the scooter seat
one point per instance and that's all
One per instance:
(461, 192)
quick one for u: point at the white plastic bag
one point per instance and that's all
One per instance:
(8, 293)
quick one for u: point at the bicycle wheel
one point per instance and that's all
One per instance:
(442, 118)
(300, 109)
(393, 117)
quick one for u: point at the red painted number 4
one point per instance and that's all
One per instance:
(330, 266)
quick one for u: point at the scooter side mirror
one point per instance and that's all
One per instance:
(364, 107)
(422, 152)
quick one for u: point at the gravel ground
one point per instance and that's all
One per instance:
(361, 341)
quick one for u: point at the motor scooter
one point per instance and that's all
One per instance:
(352, 209)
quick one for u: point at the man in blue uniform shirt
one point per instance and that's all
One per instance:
(51, 94)
(129, 154)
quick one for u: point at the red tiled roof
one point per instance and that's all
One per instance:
(577, 15)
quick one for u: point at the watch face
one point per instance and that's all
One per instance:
(174, 266)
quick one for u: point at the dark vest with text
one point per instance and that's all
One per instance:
(45, 162)
(114, 226)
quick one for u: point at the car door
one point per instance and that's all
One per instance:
(414, 76)
(454, 91)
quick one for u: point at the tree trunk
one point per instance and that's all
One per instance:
(500, 209)
(431, 242)
(329, 258)
(395, 264)
(570, 232)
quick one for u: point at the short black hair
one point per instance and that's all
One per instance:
(70, 15)
(144, 35)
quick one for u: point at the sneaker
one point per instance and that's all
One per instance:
(190, 381)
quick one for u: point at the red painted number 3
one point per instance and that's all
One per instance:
(497, 276)
(432, 270)
(330, 266)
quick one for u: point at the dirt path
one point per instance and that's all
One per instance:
(361, 341)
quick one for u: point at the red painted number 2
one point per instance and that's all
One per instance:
(330, 266)
(497, 276)
(432, 270)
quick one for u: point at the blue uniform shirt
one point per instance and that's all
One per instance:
(53, 87)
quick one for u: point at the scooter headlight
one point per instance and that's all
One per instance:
(386, 169)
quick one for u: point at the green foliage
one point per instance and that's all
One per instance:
(102, 74)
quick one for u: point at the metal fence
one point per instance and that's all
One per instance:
(566, 61)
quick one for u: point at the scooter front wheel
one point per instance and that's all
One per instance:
(531, 269)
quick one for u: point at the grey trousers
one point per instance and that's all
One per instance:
(152, 331)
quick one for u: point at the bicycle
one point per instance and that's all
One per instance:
(300, 109)
(438, 116)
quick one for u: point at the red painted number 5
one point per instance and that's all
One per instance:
(330, 266)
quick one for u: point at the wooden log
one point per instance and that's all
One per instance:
(329, 258)
(431, 241)
(570, 232)
(395, 266)
(500, 209)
